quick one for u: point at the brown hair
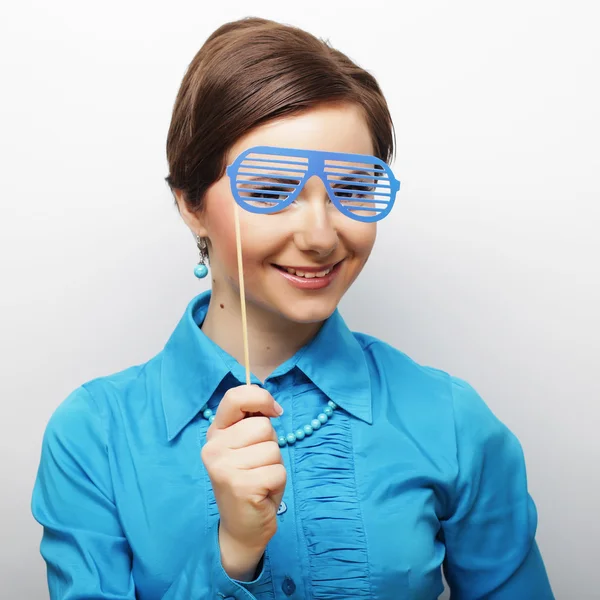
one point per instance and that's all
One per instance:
(251, 71)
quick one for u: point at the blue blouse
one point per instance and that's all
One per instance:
(413, 473)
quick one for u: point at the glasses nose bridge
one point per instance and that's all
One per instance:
(309, 177)
(316, 168)
(316, 164)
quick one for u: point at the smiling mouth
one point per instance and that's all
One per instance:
(309, 272)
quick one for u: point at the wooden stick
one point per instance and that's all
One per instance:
(238, 241)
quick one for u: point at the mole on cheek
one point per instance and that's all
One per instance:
(222, 305)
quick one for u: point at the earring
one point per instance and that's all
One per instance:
(201, 270)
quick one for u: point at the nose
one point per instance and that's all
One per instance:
(316, 233)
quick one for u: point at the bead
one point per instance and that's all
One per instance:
(200, 271)
(293, 436)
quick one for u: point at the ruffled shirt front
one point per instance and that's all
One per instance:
(412, 475)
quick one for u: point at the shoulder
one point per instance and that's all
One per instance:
(400, 369)
(428, 387)
(121, 385)
(444, 412)
(85, 412)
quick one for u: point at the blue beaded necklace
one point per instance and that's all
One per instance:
(293, 436)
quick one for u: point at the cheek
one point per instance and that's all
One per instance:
(360, 238)
(260, 234)
(262, 237)
(221, 229)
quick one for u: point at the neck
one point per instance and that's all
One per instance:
(272, 339)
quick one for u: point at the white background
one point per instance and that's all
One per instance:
(488, 267)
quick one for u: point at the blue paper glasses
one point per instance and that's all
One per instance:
(267, 179)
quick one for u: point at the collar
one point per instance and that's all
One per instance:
(193, 366)
(335, 362)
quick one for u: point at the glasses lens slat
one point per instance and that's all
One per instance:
(278, 160)
(264, 170)
(255, 184)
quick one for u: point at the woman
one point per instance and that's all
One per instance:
(345, 470)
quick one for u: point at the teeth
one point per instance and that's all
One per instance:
(308, 275)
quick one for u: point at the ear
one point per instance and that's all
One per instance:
(192, 219)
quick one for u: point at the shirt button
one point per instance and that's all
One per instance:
(288, 586)
(282, 508)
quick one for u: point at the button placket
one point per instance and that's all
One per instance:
(283, 548)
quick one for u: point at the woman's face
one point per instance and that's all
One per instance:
(311, 238)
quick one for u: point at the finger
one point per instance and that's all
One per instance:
(258, 455)
(267, 481)
(243, 399)
(248, 432)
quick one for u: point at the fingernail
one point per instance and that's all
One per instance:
(278, 407)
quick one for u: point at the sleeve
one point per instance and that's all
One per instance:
(489, 535)
(86, 552)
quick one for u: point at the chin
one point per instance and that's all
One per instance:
(314, 310)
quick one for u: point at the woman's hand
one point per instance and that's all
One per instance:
(246, 469)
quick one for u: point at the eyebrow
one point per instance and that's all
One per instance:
(356, 172)
(278, 180)
(381, 180)
(293, 180)
(344, 169)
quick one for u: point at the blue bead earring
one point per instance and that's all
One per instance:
(201, 270)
